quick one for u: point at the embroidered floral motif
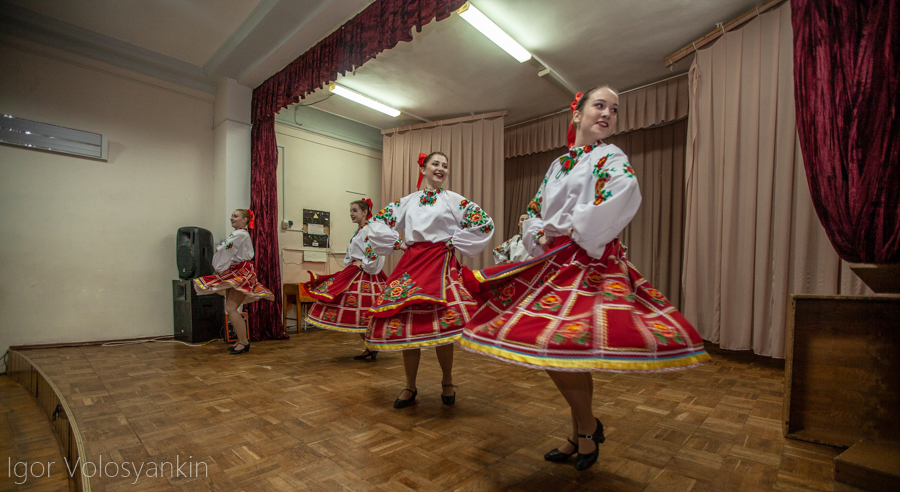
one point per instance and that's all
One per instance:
(399, 289)
(229, 245)
(397, 243)
(451, 318)
(366, 287)
(538, 235)
(665, 334)
(487, 228)
(506, 294)
(366, 317)
(534, 207)
(550, 302)
(656, 296)
(598, 168)
(546, 277)
(429, 197)
(351, 301)
(614, 289)
(474, 217)
(464, 295)
(576, 331)
(323, 287)
(330, 314)
(394, 327)
(601, 195)
(571, 158)
(629, 171)
(386, 215)
(494, 326)
(463, 204)
(369, 253)
(592, 279)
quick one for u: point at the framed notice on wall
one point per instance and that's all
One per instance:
(316, 228)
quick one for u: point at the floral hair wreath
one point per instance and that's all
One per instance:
(570, 134)
(369, 203)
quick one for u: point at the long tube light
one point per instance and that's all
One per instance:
(365, 101)
(488, 28)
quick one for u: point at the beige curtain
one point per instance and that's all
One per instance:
(654, 238)
(645, 107)
(522, 178)
(752, 236)
(474, 147)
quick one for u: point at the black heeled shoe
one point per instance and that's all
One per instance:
(558, 456)
(448, 400)
(398, 403)
(585, 461)
(241, 351)
(366, 355)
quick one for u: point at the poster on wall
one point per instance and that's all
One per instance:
(316, 228)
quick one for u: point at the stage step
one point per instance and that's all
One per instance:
(869, 465)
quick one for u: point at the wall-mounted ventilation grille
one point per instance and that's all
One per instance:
(32, 134)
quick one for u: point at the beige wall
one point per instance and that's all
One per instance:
(89, 246)
(317, 173)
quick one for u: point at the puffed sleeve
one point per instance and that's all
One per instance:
(533, 227)
(501, 253)
(373, 263)
(617, 198)
(226, 250)
(475, 230)
(383, 236)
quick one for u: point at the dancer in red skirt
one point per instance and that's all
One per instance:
(579, 305)
(236, 279)
(343, 300)
(425, 303)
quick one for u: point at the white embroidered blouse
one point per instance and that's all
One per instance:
(236, 248)
(590, 194)
(512, 250)
(435, 216)
(360, 249)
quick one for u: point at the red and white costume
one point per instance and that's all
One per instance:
(233, 262)
(425, 302)
(343, 300)
(512, 250)
(580, 305)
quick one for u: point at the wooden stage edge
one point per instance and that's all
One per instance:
(303, 415)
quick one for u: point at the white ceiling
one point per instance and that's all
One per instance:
(448, 70)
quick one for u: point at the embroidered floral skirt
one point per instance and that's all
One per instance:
(343, 300)
(424, 303)
(567, 311)
(240, 276)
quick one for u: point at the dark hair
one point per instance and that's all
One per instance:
(361, 204)
(436, 152)
(584, 98)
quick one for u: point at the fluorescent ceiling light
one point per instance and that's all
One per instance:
(479, 21)
(361, 99)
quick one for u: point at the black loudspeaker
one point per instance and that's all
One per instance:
(193, 252)
(197, 318)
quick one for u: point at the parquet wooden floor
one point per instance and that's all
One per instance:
(27, 444)
(303, 415)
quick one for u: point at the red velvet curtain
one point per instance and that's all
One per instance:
(379, 27)
(846, 91)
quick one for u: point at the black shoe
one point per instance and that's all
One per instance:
(398, 403)
(558, 456)
(246, 348)
(368, 353)
(585, 461)
(448, 400)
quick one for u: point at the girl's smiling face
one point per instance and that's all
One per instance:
(436, 171)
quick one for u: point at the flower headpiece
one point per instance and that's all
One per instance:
(369, 203)
(570, 135)
(421, 162)
(252, 223)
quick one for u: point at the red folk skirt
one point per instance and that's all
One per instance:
(343, 300)
(424, 303)
(567, 311)
(239, 276)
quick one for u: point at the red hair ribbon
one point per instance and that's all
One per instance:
(369, 203)
(421, 161)
(570, 135)
(252, 223)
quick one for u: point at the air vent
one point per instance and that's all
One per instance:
(43, 136)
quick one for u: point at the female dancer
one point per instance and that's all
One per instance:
(580, 306)
(343, 300)
(512, 249)
(236, 277)
(425, 303)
